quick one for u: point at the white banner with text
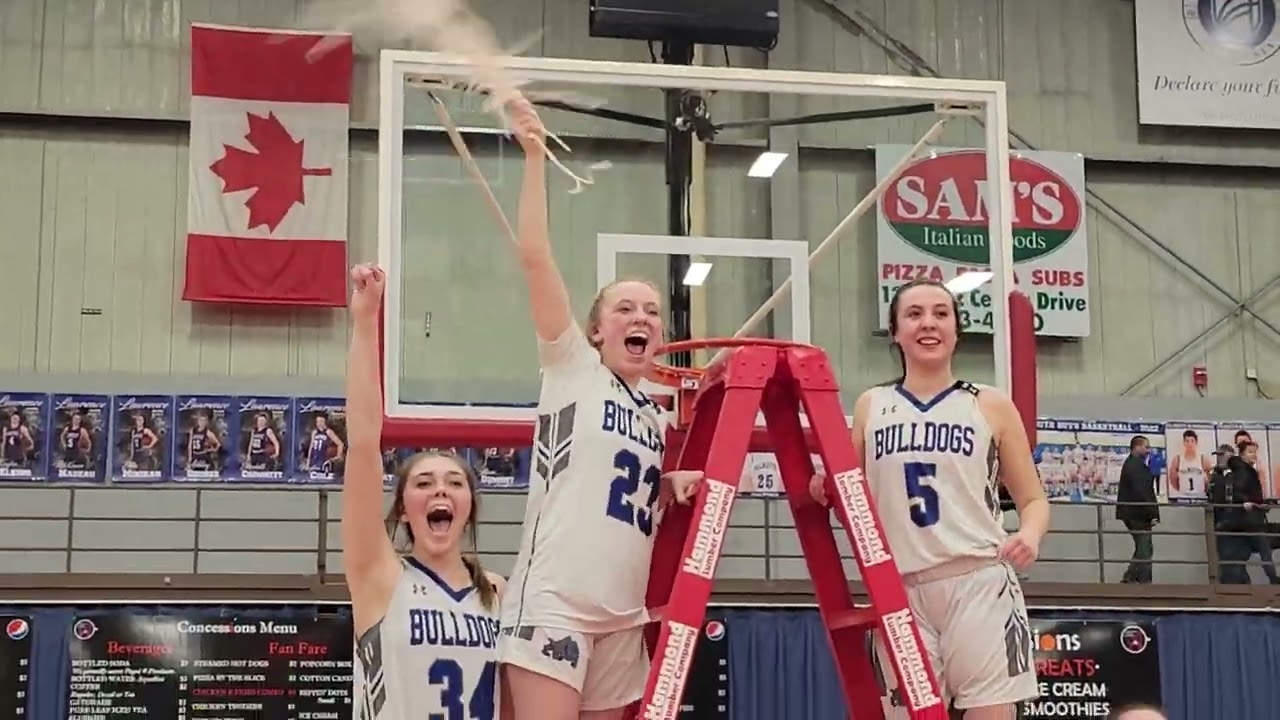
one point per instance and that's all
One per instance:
(1208, 63)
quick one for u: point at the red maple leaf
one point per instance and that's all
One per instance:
(274, 172)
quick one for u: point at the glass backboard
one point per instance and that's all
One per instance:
(457, 333)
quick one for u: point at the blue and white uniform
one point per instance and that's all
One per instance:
(933, 468)
(575, 603)
(434, 653)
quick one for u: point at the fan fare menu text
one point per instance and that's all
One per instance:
(141, 666)
(15, 664)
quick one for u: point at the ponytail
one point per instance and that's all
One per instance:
(480, 579)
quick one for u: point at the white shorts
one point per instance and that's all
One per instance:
(609, 671)
(974, 625)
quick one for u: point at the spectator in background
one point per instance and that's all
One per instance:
(1226, 494)
(1255, 511)
(1136, 508)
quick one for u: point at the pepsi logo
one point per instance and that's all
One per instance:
(17, 629)
(714, 630)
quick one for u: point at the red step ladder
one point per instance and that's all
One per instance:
(779, 379)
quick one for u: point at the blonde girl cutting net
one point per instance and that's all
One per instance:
(573, 615)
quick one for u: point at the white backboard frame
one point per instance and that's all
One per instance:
(796, 252)
(988, 97)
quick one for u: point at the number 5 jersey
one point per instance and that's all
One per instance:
(932, 468)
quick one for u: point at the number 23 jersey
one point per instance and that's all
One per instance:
(593, 490)
(932, 468)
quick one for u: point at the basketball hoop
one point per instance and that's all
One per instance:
(680, 377)
(687, 380)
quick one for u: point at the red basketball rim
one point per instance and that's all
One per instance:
(674, 376)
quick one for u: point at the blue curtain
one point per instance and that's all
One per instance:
(1221, 666)
(780, 667)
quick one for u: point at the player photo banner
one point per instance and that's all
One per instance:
(502, 468)
(263, 449)
(78, 438)
(25, 419)
(1087, 666)
(932, 223)
(1208, 64)
(320, 449)
(204, 441)
(141, 451)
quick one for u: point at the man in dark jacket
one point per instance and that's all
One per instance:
(1251, 515)
(1136, 508)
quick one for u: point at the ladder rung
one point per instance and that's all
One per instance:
(857, 617)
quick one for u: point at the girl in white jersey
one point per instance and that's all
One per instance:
(574, 610)
(426, 622)
(935, 451)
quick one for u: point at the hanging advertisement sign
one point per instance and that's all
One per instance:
(1087, 666)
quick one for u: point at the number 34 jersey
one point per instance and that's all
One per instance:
(932, 468)
(432, 655)
(592, 505)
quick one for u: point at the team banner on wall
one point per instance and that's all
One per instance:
(932, 223)
(1208, 63)
(1087, 666)
(143, 666)
(1080, 461)
(15, 665)
(138, 438)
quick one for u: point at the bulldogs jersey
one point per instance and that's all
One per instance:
(593, 490)
(932, 470)
(434, 654)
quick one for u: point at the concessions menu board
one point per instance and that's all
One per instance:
(15, 659)
(191, 668)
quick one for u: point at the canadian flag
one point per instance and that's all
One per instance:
(267, 196)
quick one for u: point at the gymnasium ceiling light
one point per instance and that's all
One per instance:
(766, 165)
(697, 274)
(966, 282)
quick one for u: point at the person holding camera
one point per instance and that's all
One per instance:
(1235, 490)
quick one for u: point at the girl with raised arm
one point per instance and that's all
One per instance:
(572, 618)
(426, 617)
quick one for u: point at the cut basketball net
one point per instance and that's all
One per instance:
(447, 26)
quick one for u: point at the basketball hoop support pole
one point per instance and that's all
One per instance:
(679, 162)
